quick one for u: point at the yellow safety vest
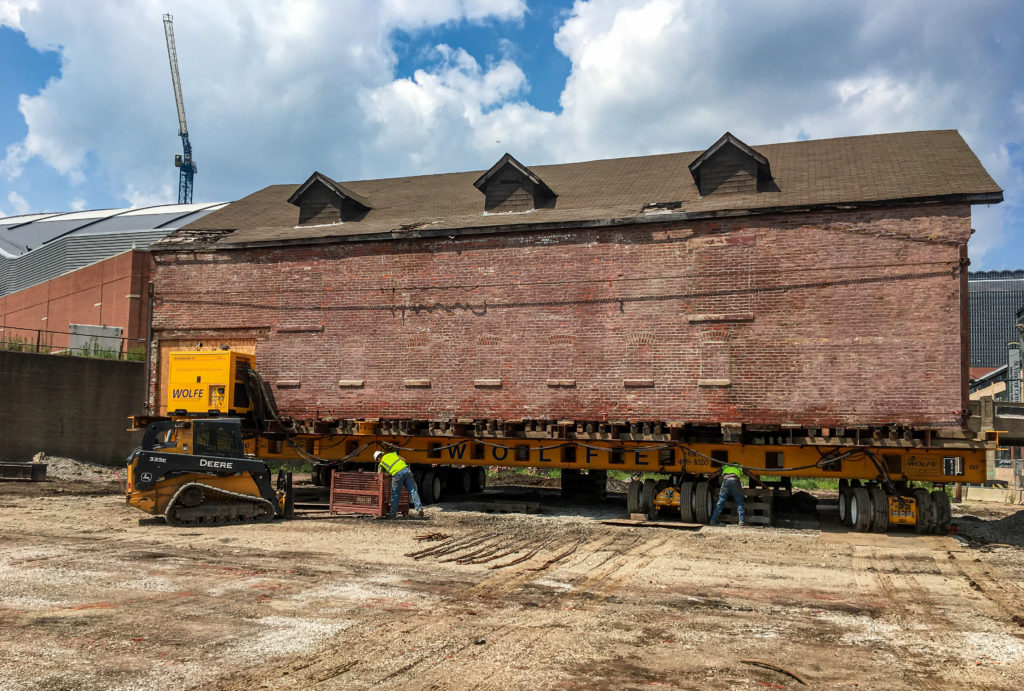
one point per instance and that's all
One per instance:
(392, 463)
(730, 469)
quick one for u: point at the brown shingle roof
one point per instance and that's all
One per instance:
(851, 170)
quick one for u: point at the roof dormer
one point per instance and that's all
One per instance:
(730, 166)
(322, 201)
(511, 186)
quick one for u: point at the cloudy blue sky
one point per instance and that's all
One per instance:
(275, 89)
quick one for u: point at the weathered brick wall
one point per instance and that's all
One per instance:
(832, 319)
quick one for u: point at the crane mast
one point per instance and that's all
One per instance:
(182, 161)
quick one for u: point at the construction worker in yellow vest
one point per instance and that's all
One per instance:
(401, 476)
(732, 487)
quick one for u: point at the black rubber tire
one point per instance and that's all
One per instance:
(465, 483)
(633, 497)
(943, 512)
(880, 510)
(925, 512)
(647, 494)
(425, 486)
(686, 502)
(844, 506)
(702, 506)
(436, 489)
(860, 509)
(480, 480)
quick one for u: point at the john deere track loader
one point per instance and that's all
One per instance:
(195, 472)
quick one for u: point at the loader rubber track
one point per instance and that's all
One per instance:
(218, 506)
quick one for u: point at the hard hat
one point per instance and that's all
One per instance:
(377, 455)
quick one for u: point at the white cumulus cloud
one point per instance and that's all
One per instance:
(19, 203)
(275, 90)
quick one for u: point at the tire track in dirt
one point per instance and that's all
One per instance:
(907, 601)
(602, 582)
(1005, 597)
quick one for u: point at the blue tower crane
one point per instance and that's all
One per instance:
(184, 160)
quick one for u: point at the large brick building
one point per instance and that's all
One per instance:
(814, 283)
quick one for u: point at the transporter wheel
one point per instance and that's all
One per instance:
(633, 497)
(880, 510)
(426, 486)
(686, 502)
(844, 506)
(942, 511)
(478, 478)
(860, 509)
(647, 494)
(702, 506)
(925, 512)
(325, 476)
(436, 488)
(465, 483)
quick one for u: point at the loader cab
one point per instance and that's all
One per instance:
(218, 437)
(221, 437)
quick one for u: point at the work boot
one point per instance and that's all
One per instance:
(419, 512)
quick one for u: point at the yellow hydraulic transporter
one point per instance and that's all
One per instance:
(886, 476)
(195, 472)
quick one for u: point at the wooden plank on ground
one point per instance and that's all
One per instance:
(499, 506)
(628, 522)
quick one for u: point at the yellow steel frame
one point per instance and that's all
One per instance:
(912, 464)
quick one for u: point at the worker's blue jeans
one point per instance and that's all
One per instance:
(404, 478)
(731, 487)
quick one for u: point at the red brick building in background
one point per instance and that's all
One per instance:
(87, 268)
(111, 292)
(815, 283)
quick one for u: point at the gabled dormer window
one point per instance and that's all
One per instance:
(511, 186)
(730, 166)
(323, 201)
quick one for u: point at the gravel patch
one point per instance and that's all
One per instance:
(1008, 530)
(59, 468)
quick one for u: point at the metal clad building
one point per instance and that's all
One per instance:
(995, 297)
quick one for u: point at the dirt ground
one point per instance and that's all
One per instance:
(96, 595)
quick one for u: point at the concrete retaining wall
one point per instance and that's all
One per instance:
(68, 406)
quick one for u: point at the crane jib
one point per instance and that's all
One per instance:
(184, 163)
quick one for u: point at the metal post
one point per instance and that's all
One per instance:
(149, 347)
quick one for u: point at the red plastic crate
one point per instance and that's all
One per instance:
(368, 493)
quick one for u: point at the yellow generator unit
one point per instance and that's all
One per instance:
(206, 382)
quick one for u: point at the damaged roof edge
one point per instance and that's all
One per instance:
(654, 219)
